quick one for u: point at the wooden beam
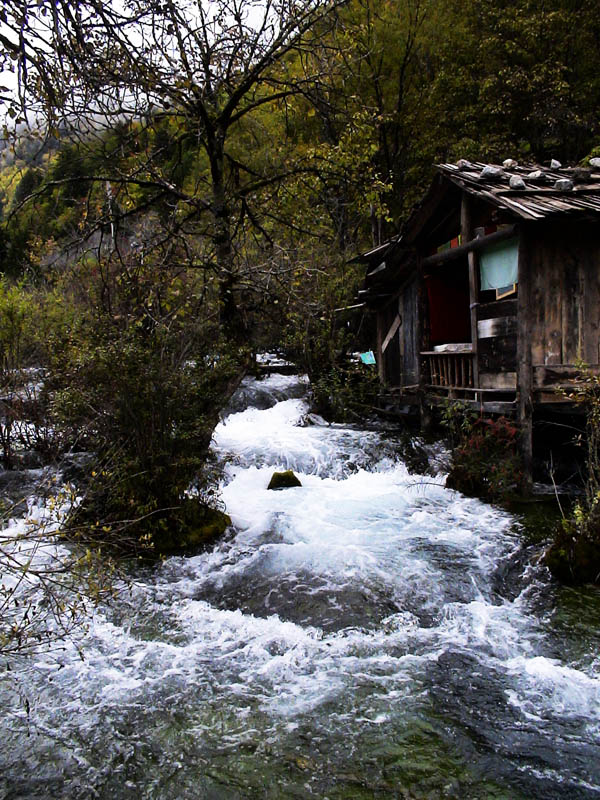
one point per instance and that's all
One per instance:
(472, 390)
(472, 245)
(390, 334)
(380, 364)
(381, 268)
(524, 368)
(350, 308)
(498, 381)
(422, 344)
(505, 407)
(496, 326)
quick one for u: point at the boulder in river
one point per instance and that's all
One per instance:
(190, 527)
(283, 480)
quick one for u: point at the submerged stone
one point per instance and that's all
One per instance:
(283, 480)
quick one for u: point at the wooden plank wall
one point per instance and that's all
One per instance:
(497, 344)
(400, 360)
(565, 294)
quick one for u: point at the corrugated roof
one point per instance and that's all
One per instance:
(377, 252)
(540, 197)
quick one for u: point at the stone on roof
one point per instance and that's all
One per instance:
(530, 191)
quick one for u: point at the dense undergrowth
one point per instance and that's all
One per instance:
(485, 459)
(485, 462)
(129, 371)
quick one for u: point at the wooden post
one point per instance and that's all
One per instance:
(466, 230)
(422, 344)
(524, 368)
(380, 335)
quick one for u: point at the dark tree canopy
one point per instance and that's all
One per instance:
(183, 84)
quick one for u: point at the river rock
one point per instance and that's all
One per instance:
(283, 480)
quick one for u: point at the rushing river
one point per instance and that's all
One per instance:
(368, 635)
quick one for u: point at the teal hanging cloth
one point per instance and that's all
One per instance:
(368, 357)
(499, 265)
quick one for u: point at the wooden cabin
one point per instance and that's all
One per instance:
(491, 293)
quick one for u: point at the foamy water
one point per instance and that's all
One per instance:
(368, 634)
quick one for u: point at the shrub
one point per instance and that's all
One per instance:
(140, 381)
(321, 341)
(345, 391)
(487, 463)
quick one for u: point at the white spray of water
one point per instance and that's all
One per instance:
(361, 583)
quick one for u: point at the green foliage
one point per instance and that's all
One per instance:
(27, 185)
(515, 79)
(19, 316)
(346, 392)
(140, 380)
(574, 555)
(458, 420)
(323, 341)
(486, 463)
(28, 321)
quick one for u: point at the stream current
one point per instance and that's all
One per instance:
(370, 634)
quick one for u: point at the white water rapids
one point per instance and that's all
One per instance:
(370, 634)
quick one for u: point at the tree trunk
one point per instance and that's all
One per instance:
(230, 316)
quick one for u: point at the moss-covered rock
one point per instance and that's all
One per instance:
(283, 480)
(185, 527)
(190, 527)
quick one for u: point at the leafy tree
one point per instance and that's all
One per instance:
(516, 79)
(29, 182)
(205, 69)
(359, 120)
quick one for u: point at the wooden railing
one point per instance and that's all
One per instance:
(448, 369)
